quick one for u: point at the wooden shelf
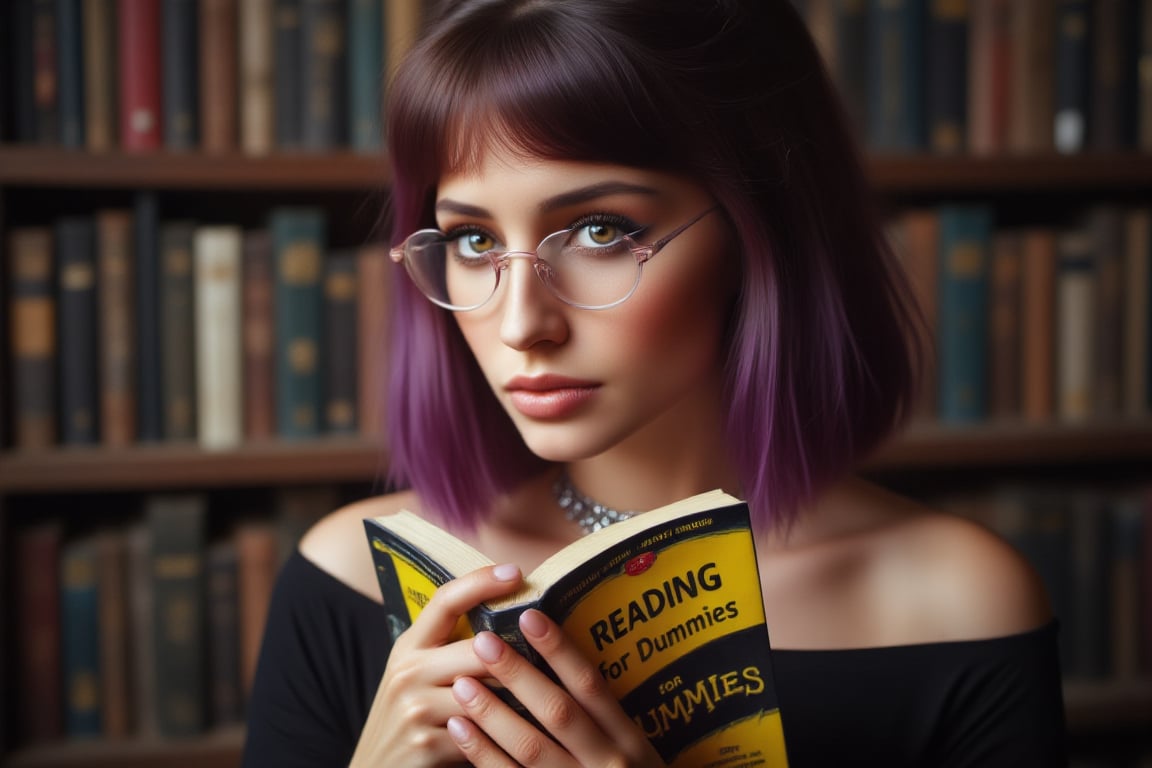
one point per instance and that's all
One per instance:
(342, 170)
(327, 171)
(1091, 707)
(162, 466)
(1017, 445)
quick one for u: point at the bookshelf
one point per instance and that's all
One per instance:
(39, 181)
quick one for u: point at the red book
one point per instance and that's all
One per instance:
(140, 72)
(37, 578)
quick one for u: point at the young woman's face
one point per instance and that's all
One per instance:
(577, 382)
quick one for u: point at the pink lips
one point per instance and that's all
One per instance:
(549, 396)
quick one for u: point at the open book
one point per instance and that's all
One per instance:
(666, 603)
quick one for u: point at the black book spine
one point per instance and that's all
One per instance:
(323, 34)
(1073, 74)
(145, 239)
(22, 53)
(79, 405)
(179, 35)
(45, 77)
(70, 71)
(340, 343)
(287, 47)
(946, 93)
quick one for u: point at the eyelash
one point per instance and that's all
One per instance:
(626, 225)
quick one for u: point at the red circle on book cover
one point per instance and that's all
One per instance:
(639, 564)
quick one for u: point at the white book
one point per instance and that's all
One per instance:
(219, 364)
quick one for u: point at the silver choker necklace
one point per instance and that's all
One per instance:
(587, 513)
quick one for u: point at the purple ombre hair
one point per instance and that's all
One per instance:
(731, 93)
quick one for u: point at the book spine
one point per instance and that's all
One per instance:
(340, 345)
(402, 22)
(79, 607)
(46, 72)
(1109, 87)
(142, 628)
(179, 62)
(1076, 324)
(219, 67)
(287, 73)
(76, 285)
(139, 75)
(1137, 315)
(852, 58)
(1144, 79)
(257, 111)
(298, 236)
(177, 330)
(23, 42)
(117, 328)
(38, 633)
(325, 74)
(223, 611)
(70, 70)
(920, 236)
(965, 238)
(1031, 106)
(113, 621)
(1038, 323)
(257, 562)
(1106, 227)
(989, 76)
(259, 326)
(365, 74)
(219, 385)
(947, 81)
(33, 338)
(1073, 64)
(146, 250)
(372, 298)
(1125, 563)
(1089, 601)
(177, 525)
(1004, 327)
(895, 82)
(100, 100)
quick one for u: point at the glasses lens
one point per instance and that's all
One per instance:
(586, 272)
(447, 276)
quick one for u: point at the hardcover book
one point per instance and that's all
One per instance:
(667, 604)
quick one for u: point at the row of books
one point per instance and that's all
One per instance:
(991, 76)
(1093, 550)
(1032, 324)
(127, 328)
(149, 627)
(212, 75)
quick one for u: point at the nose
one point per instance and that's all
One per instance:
(530, 313)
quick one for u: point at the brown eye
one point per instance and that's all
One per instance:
(598, 235)
(469, 244)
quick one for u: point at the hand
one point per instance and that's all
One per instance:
(583, 718)
(406, 725)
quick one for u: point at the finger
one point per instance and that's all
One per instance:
(506, 738)
(475, 745)
(584, 683)
(455, 598)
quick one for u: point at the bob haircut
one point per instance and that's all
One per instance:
(821, 350)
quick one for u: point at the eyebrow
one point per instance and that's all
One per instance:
(562, 200)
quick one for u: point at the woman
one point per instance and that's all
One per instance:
(762, 347)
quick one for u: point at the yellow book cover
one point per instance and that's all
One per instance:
(667, 604)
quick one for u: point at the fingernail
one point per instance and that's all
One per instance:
(506, 572)
(533, 623)
(465, 689)
(458, 729)
(488, 647)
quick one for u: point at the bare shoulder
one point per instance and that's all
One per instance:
(961, 580)
(337, 544)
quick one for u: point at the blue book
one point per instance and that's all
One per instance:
(365, 74)
(298, 240)
(962, 335)
(78, 323)
(896, 74)
(70, 73)
(80, 638)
